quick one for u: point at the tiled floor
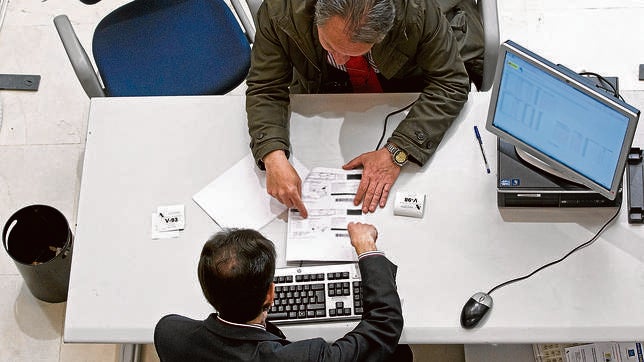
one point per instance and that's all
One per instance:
(42, 133)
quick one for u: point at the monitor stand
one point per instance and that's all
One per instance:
(522, 184)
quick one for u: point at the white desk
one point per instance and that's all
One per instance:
(146, 152)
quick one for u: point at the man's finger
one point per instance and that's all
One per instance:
(299, 205)
(356, 162)
(368, 197)
(376, 198)
(385, 195)
(362, 188)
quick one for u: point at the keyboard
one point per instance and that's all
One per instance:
(319, 293)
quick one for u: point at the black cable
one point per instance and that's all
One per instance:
(603, 80)
(560, 259)
(384, 128)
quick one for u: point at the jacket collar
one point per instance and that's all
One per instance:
(241, 332)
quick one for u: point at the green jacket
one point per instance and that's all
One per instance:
(419, 44)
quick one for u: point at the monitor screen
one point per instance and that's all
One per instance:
(578, 130)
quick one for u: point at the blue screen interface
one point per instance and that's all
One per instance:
(559, 120)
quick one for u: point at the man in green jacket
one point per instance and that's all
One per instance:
(311, 46)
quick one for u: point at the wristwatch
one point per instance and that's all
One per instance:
(397, 155)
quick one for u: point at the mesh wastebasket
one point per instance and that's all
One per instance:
(39, 241)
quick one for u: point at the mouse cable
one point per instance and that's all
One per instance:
(587, 243)
(602, 81)
(384, 128)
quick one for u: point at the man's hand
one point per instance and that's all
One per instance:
(379, 174)
(363, 237)
(283, 182)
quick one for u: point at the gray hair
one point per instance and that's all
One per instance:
(368, 21)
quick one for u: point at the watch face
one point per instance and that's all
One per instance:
(400, 157)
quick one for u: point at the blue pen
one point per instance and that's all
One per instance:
(478, 137)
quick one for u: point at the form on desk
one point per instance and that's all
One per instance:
(328, 195)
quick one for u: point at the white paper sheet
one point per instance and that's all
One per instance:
(238, 197)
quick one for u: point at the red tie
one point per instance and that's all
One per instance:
(363, 77)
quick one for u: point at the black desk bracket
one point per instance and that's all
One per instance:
(26, 82)
(635, 179)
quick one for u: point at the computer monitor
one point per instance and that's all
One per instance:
(574, 129)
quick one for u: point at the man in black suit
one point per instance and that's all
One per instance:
(236, 272)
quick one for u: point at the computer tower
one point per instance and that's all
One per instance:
(520, 184)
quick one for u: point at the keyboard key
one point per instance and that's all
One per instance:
(275, 316)
(316, 306)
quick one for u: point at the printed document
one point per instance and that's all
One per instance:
(328, 196)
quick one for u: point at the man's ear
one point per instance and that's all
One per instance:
(270, 295)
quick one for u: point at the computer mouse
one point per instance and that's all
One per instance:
(475, 309)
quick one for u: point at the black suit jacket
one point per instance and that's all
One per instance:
(375, 338)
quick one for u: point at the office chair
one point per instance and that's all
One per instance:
(490, 18)
(161, 48)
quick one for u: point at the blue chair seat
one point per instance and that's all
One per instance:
(171, 47)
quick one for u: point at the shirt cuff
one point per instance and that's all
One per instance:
(370, 253)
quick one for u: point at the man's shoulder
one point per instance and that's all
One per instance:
(418, 12)
(175, 319)
(174, 323)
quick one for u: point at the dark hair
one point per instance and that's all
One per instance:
(235, 270)
(367, 21)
